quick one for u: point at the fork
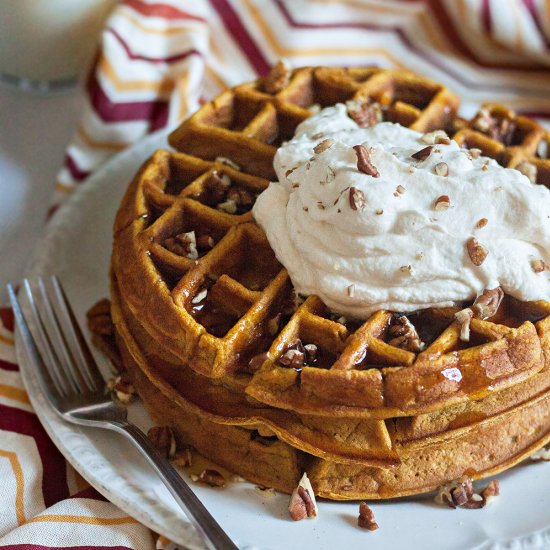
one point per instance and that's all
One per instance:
(70, 379)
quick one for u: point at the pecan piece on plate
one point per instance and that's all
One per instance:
(366, 518)
(302, 501)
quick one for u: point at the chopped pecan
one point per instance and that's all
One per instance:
(357, 199)
(364, 113)
(528, 169)
(366, 518)
(200, 296)
(404, 335)
(216, 186)
(476, 251)
(212, 478)
(442, 169)
(364, 163)
(487, 303)
(455, 493)
(539, 266)
(542, 454)
(464, 317)
(474, 152)
(205, 242)
(183, 459)
(423, 154)
(294, 356)
(99, 318)
(278, 78)
(162, 438)
(481, 223)
(311, 353)
(229, 206)
(302, 501)
(183, 244)
(229, 162)
(500, 129)
(240, 196)
(323, 146)
(400, 190)
(121, 387)
(436, 137)
(442, 203)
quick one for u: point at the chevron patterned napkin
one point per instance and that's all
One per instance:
(158, 61)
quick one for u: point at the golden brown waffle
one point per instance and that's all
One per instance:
(206, 313)
(477, 438)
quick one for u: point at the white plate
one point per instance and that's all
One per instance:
(77, 247)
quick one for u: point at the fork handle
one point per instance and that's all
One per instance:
(200, 517)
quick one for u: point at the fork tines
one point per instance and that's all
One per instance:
(53, 338)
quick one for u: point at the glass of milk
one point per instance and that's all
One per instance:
(45, 45)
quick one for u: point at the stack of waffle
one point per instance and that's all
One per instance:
(219, 346)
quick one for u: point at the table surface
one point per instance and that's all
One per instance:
(34, 132)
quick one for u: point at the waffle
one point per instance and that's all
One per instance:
(204, 314)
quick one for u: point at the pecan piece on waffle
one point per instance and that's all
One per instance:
(183, 244)
(363, 112)
(277, 79)
(302, 501)
(404, 335)
(294, 356)
(364, 163)
(464, 317)
(528, 169)
(500, 129)
(487, 303)
(366, 518)
(162, 438)
(204, 243)
(216, 186)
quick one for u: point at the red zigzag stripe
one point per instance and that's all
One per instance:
(54, 475)
(6, 365)
(241, 36)
(155, 112)
(161, 10)
(134, 56)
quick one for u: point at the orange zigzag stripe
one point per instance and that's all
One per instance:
(14, 393)
(19, 483)
(161, 88)
(62, 518)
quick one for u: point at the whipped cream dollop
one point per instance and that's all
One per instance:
(401, 241)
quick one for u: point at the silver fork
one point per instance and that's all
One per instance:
(70, 379)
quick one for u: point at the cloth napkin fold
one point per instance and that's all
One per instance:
(158, 61)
